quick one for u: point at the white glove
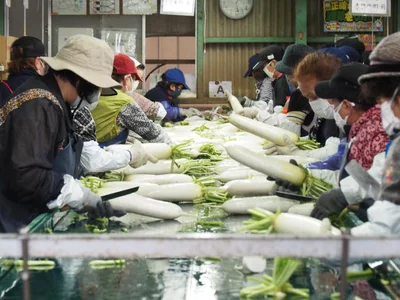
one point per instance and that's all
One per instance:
(289, 149)
(249, 112)
(74, 195)
(190, 112)
(139, 156)
(329, 176)
(270, 149)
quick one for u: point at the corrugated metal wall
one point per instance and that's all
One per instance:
(229, 61)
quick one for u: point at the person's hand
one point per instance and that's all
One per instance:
(139, 156)
(104, 210)
(329, 203)
(190, 112)
(289, 149)
(270, 149)
(249, 112)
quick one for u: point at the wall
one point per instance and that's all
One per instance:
(228, 61)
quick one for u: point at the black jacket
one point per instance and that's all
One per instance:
(31, 133)
(281, 91)
(14, 81)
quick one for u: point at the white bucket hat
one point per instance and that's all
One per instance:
(88, 57)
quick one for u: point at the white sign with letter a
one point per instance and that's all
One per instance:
(217, 88)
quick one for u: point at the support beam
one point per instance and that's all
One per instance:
(2, 16)
(301, 21)
(200, 48)
(219, 40)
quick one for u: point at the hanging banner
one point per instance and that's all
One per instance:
(337, 18)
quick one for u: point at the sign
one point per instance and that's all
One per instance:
(337, 18)
(371, 7)
(139, 7)
(26, 4)
(178, 7)
(8, 3)
(217, 88)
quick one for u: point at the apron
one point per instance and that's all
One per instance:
(119, 139)
(14, 215)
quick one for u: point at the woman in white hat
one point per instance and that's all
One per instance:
(40, 153)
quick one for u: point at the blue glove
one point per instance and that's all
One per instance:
(332, 163)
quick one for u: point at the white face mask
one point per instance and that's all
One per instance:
(135, 85)
(130, 92)
(90, 102)
(76, 103)
(268, 72)
(323, 109)
(340, 122)
(390, 122)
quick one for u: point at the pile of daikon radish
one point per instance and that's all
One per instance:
(214, 161)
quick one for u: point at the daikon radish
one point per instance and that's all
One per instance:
(226, 164)
(254, 264)
(237, 173)
(158, 150)
(264, 221)
(159, 179)
(268, 132)
(258, 186)
(303, 225)
(304, 209)
(177, 192)
(234, 102)
(161, 167)
(269, 166)
(274, 203)
(302, 160)
(147, 207)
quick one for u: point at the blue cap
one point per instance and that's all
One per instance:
(175, 76)
(351, 52)
(337, 52)
(253, 61)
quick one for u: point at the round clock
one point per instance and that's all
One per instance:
(236, 9)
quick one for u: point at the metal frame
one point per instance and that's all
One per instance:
(193, 245)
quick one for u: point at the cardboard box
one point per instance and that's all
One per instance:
(5, 45)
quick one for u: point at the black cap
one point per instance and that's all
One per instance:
(272, 52)
(31, 47)
(293, 55)
(253, 61)
(353, 42)
(343, 84)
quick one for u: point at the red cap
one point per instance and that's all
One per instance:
(123, 65)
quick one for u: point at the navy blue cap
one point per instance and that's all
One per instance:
(351, 53)
(339, 53)
(253, 61)
(175, 76)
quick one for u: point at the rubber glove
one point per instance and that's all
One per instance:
(190, 112)
(270, 149)
(104, 209)
(329, 203)
(249, 112)
(139, 156)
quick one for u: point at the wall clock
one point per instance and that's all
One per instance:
(236, 9)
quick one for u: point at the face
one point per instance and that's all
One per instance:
(127, 83)
(176, 87)
(347, 109)
(306, 86)
(40, 66)
(140, 73)
(271, 66)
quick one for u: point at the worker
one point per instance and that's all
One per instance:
(82, 119)
(378, 85)
(297, 115)
(271, 86)
(352, 42)
(117, 113)
(167, 92)
(40, 152)
(273, 55)
(25, 62)
(155, 111)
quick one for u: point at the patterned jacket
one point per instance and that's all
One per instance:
(370, 137)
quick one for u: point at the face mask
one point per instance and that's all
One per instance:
(135, 85)
(268, 72)
(323, 109)
(175, 94)
(77, 103)
(340, 122)
(390, 122)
